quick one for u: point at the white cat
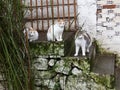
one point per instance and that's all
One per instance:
(55, 31)
(31, 34)
(83, 41)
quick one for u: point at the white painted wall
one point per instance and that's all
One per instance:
(87, 15)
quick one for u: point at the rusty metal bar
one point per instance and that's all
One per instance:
(47, 13)
(50, 5)
(48, 18)
(66, 17)
(58, 9)
(52, 10)
(75, 17)
(20, 1)
(42, 14)
(68, 12)
(31, 9)
(63, 9)
(37, 13)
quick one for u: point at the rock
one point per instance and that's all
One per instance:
(75, 71)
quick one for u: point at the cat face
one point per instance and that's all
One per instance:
(55, 31)
(32, 32)
(79, 35)
(61, 23)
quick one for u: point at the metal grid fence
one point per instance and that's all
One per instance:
(40, 14)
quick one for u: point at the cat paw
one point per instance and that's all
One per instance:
(75, 55)
(59, 40)
(87, 50)
(30, 40)
(83, 55)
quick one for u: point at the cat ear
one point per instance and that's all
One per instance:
(58, 20)
(66, 21)
(61, 20)
(26, 29)
(30, 28)
(83, 31)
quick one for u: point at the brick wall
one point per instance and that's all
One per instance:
(102, 20)
(108, 24)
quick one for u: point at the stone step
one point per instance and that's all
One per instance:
(46, 48)
(103, 64)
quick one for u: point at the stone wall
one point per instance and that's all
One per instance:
(53, 71)
(68, 74)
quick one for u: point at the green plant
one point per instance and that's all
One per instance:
(14, 52)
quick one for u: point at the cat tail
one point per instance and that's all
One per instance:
(76, 34)
(50, 34)
(90, 39)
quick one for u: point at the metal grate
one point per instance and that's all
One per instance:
(40, 14)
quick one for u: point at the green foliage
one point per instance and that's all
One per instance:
(57, 86)
(47, 48)
(104, 80)
(13, 57)
(100, 49)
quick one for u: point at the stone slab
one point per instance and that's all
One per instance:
(47, 48)
(103, 64)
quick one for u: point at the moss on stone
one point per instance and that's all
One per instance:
(47, 48)
(67, 72)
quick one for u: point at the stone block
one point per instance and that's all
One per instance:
(103, 64)
(104, 11)
(62, 67)
(1, 87)
(117, 1)
(102, 20)
(109, 24)
(47, 48)
(102, 2)
(117, 10)
(44, 74)
(109, 6)
(117, 19)
(41, 64)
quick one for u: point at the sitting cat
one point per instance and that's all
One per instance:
(55, 31)
(31, 34)
(83, 41)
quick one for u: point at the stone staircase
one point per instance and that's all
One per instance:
(55, 71)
